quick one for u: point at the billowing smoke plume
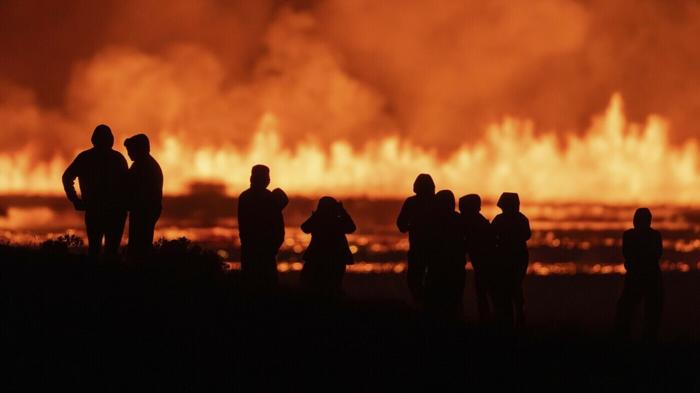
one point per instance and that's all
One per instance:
(435, 74)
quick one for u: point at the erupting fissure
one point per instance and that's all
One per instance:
(615, 161)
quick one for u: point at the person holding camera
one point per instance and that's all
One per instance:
(328, 253)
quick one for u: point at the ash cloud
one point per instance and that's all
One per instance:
(435, 73)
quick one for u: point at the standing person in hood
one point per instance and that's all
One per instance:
(512, 231)
(145, 185)
(415, 218)
(328, 252)
(642, 248)
(101, 173)
(480, 245)
(444, 280)
(261, 229)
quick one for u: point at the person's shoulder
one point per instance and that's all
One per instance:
(629, 232)
(85, 154)
(245, 194)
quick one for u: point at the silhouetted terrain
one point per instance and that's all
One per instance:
(180, 323)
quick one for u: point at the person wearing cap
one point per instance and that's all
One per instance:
(261, 228)
(415, 218)
(642, 248)
(145, 185)
(512, 231)
(101, 173)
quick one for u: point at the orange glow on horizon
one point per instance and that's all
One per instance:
(615, 161)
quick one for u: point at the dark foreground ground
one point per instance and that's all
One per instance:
(180, 324)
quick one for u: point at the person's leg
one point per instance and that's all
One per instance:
(653, 305)
(114, 229)
(482, 301)
(94, 229)
(629, 299)
(415, 276)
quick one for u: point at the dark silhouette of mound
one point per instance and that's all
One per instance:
(182, 323)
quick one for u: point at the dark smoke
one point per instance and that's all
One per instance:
(339, 69)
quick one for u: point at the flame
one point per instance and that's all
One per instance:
(614, 161)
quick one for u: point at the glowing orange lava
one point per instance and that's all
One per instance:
(615, 161)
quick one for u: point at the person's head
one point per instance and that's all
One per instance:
(138, 147)
(470, 204)
(424, 185)
(445, 200)
(509, 202)
(327, 205)
(102, 137)
(260, 176)
(280, 197)
(642, 218)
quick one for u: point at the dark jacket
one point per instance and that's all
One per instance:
(101, 174)
(480, 239)
(260, 220)
(512, 231)
(416, 219)
(328, 241)
(145, 186)
(642, 249)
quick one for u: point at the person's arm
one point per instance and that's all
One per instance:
(526, 231)
(243, 218)
(68, 179)
(403, 221)
(310, 224)
(658, 245)
(627, 250)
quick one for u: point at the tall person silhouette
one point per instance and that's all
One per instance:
(261, 228)
(444, 280)
(328, 252)
(101, 173)
(642, 248)
(145, 186)
(512, 231)
(415, 218)
(480, 245)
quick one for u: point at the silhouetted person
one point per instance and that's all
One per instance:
(328, 251)
(414, 218)
(642, 248)
(145, 186)
(101, 173)
(261, 228)
(444, 281)
(480, 245)
(512, 231)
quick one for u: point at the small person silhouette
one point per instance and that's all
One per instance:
(415, 218)
(145, 185)
(444, 280)
(642, 248)
(480, 245)
(101, 173)
(512, 231)
(261, 228)
(328, 252)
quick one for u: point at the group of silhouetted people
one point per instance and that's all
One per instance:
(441, 239)
(261, 231)
(110, 190)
